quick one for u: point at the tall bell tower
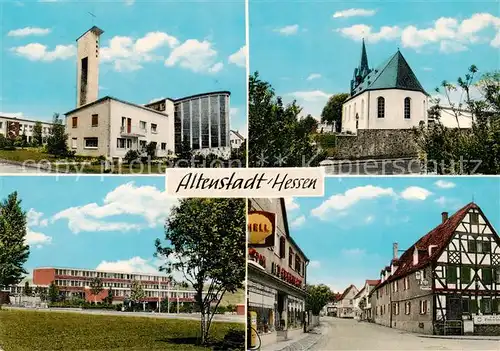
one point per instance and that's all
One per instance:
(87, 66)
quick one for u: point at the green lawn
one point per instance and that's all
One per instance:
(22, 155)
(31, 330)
(233, 299)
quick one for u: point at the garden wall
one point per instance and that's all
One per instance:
(376, 143)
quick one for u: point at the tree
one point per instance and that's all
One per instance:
(109, 299)
(464, 151)
(185, 155)
(13, 250)
(332, 112)
(317, 298)
(37, 138)
(137, 293)
(151, 150)
(239, 156)
(96, 287)
(41, 292)
(309, 123)
(277, 138)
(206, 244)
(57, 140)
(27, 289)
(53, 293)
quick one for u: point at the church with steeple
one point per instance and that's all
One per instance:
(387, 97)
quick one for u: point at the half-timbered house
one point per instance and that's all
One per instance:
(448, 282)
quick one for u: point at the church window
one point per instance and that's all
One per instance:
(380, 107)
(407, 108)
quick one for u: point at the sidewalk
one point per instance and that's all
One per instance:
(461, 337)
(302, 343)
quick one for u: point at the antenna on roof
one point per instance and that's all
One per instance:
(93, 16)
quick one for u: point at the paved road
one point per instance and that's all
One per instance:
(348, 334)
(191, 316)
(373, 167)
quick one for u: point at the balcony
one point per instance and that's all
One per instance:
(129, 131)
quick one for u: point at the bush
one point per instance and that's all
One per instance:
(233, 340)
(131, 156)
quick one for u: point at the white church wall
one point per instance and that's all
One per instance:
(366, 106)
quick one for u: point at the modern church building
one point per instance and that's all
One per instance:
(110, 127)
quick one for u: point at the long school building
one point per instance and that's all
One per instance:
(448, 282)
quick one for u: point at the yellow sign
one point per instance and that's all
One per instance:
(261, 228)
(253, 329)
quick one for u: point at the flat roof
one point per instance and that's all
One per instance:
(98, 101)
(225, 92)
(102, 271)
(25, 120)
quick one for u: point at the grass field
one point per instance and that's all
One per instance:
(233, 299)
(31, 330)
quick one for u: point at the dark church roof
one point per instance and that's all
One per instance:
(394, 73)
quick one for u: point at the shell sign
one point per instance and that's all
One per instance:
(261, 228)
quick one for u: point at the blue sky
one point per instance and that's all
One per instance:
(308, 50)
(348, 234)
(186, 52)
(112, 227)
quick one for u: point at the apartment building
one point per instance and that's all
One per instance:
(12, 127)
(201, 121)
(448, 282)
(75, 283)
(111, 127)
(277, 272)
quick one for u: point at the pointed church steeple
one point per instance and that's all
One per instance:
(363, 69)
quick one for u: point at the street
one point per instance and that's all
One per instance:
(349, 334)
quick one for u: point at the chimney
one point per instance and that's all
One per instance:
(444, 216)
(395, 251)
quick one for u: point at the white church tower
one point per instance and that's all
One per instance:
(87, 66)
(388, 97)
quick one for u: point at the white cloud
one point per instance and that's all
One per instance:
(449, 47)
(314, 264)
(495, 42)
(360, 31)
(297, 222)
(34, 218)
(314, 95)
(128, 54)
(291, 204)
(239, 58)
(133, 265)
(197, 56)
(427, 69)
(340, 202)
(12, 114)
(23, 32)
(452, 34)
(238, 122)
(415, 193)
(441, 200)
(314, 76)
(369, 219)
(36, 239)
(354, 13)
(147, 202)
(129, 2)
(288, 30)
(39, 52)
(443, 184)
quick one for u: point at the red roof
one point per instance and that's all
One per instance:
(372, 282)
(439, 237)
